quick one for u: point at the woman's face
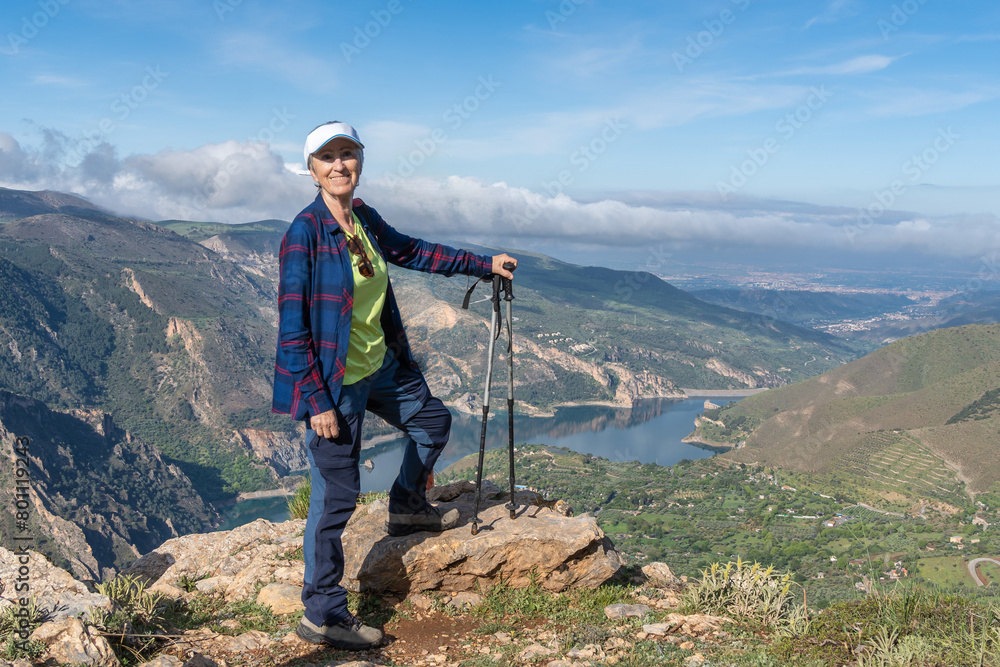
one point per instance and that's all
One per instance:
(336, 167)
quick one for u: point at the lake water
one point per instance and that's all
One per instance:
(650, 432)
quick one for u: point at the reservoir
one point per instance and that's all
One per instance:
(650, 432)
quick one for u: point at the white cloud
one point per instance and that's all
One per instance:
(836, 10)
(859, 65)
(914, 102)
(242, 181)
(231, 181)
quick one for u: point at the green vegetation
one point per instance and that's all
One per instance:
(136, 618)
(713, 511)
(918, 415)
(17, 622)
(980, 409)
(751, 593)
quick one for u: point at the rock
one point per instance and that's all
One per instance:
(616, 611)
(245, 555)
(70, 642)
(421, 601)
(164, 661)
(695, 660)
(55, 588)
(698, 625)
(199, 660)
(212, 583)
(534, 651)
(464, 600)
(658, 629)
(581, 653)
(686, 646)
(659, 574)
(248, 641)
(293, 574)
(502, 638)
(281, 598)
(561, 552)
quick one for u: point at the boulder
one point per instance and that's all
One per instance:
(557, 551)
(55, 589)
(235, 560)
(543, 544)
(659, 574)
(70, 642)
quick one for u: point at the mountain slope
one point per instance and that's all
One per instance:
(583, 333)
(101, 496)
(925, 398)
(130, 318)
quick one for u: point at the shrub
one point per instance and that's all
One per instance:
(742, 591)
(298, 505)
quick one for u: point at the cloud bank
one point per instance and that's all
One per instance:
(244, 181)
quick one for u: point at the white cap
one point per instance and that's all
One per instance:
(323, 134)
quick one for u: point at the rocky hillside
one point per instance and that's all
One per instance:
(582, 333)
(100, 497)
(919, 417)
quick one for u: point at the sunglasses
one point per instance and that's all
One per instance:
(365, 267)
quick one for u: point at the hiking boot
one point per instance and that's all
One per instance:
(350, 634)
(428, 519)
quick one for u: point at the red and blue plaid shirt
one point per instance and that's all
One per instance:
(316, 294)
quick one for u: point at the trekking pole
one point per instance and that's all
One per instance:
(508, 296)
(495, 320)
(494, 333)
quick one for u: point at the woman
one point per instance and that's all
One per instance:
(341, 350)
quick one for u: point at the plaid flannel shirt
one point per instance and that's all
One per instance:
(316, 295)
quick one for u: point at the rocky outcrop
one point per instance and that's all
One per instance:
(55, 589)
(128, 277)
(282, 452)
(233, 560)
(71, 642)
(100, 497)
(558, 551)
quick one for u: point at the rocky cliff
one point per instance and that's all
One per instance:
(100, 496)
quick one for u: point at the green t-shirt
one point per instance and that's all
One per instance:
(366, 349)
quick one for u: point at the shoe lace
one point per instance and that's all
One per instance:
(351, 622)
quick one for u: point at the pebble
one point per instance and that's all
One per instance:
(616, 611)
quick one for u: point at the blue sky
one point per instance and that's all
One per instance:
(681, 123)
